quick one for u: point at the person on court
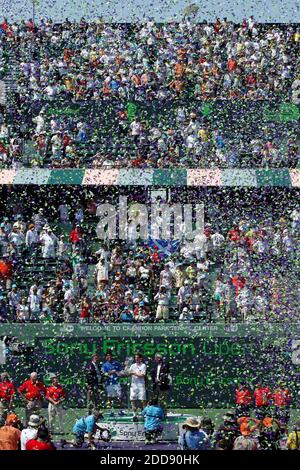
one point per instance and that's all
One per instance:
(137, 371)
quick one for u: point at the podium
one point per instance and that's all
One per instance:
(122, 428)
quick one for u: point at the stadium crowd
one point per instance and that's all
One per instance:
(57, 270)
(58, 65)
(86, 60)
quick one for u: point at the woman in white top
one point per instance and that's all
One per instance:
(220, 294)
(23, 311)
(101, 273)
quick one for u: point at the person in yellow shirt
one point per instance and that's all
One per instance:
(69, 83)
(191, 272)
(179, 276)
(293, 442)
(297, 36)
(203, 135)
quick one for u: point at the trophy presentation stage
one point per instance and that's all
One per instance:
(122, 428)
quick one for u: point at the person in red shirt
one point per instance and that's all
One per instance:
(262, 397)
(7, 393)
(33, 392)
(234, 235)
(6, 273)
(231, 64)
(217, 26)
(282, 400)
(243, 400)
(239, 283)
(42, 441)
(56, 395)
(76, 235)
(85, 312)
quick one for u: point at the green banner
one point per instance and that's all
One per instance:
(204, 370)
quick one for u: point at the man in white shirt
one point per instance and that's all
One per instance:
(295, 216)
(32, 236)
(186, 315)
(137, 371)
(39, 220)
(64, 213)
(31, 431)
(32, 240)
(184, 295)
(163, 303)
(217, 240)
(101, 272)
(136, 128)
(17, 238)
(166, 277)
(34, 300)
(244, 301)
(49, 242)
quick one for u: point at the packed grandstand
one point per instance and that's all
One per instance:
(149, 95)
(57, 268)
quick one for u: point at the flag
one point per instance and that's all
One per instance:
(165, 247)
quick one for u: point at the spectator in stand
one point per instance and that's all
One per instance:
(76, 236)
(163, 302)
(6, 272)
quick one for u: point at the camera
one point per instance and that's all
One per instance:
(15, 347)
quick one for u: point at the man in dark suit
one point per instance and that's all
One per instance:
(94, 381)
(161, 380)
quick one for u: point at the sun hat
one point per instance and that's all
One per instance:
(34, 421)
(191, 423)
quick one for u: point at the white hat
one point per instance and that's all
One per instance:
(34, 421)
